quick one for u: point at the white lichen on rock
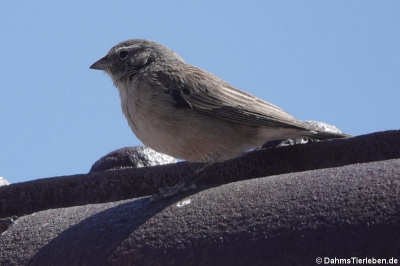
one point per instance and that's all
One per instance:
(322, 126)
(3, 181)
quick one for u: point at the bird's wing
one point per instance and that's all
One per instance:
(205, 93)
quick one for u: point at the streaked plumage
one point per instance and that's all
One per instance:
(188, 113)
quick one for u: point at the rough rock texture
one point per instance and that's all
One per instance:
(131, 157)
(28, 197)
(6, 222)
(3, 181)
(278, 220)
(279, 214)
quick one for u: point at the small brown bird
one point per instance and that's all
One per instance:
(186, 112)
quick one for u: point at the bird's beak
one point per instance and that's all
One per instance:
(100, 64)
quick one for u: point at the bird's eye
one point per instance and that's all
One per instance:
(123, 55)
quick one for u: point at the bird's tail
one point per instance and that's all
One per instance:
(322, 131)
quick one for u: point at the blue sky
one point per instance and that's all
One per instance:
(333, 61)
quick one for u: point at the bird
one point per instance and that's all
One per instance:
(189, 113)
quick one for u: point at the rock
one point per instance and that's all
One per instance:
(131, 157)
(286, 142)
(109, 186)
(6, 222)
(287, 219)
(3, 181)
(284, 206)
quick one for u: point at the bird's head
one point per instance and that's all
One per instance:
(127, 58)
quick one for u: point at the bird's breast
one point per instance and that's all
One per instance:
(152, 118)
(181, 132)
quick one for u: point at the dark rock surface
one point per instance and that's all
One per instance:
(287, 219)
(6, 222)
(131, 157)
(28, 197)
(279, 214)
